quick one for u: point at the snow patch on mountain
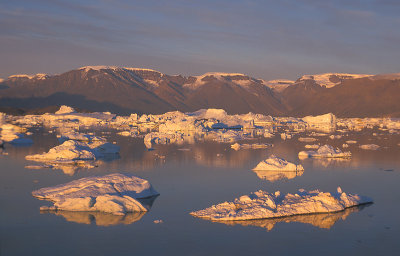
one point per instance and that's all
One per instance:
(330, 80)
(278, 84)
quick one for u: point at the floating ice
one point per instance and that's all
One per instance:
(14, 134)
(325, 151)
(114, 193)
(307, 139)
(238, 146)
(261, 205)
(274, 163)
(370, 147)
(71, 151)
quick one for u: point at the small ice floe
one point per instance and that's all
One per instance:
(351, 141)
(345, 145)
(324, 151)
(307, 139)
(72, 150)
(274, 163)
(158, 221)
(261, 205)
(114, 193)
(370, 147)
(313, 146)
(335, 137)
(238, 146)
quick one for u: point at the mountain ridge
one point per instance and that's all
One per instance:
(142, 90)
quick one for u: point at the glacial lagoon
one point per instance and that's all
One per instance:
(193, 176)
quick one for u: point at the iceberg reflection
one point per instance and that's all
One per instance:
(320, 220)
(101, 218)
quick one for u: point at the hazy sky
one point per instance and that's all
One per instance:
(265, 39)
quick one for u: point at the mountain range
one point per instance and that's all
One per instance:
(125, 90)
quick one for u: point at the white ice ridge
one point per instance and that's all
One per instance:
(261, 205)
(325, 151)
(274, 163)
(72, 150)
(114, 193)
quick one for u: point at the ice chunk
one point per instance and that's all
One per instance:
(238, 146)
(307, 139)
(313, 146)
(72, 150)
(370, 147)
(114, 193)
(274, 163)
(14, 134)
(261, 205)
(65, 110)
(325, 151)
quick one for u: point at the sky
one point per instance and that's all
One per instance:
(263, 39)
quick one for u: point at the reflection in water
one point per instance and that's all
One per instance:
(328, 162)
(320, 220)
(98, 218)
(272, 175)
(104, 219)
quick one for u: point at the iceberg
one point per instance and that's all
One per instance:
(370, 147)
(274, 163)
(324, 151)
(238, 146)
(262, 205)
(72, 150)
(114, 193)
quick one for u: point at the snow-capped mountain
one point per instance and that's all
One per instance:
(125, 90)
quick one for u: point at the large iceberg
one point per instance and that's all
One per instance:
(325, 151)
(261, 205)
(114, 193)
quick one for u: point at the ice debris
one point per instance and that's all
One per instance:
(261, 205)
(114, 193)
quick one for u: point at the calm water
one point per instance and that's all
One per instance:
(193, 177)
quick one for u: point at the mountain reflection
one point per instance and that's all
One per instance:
(320, 220)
